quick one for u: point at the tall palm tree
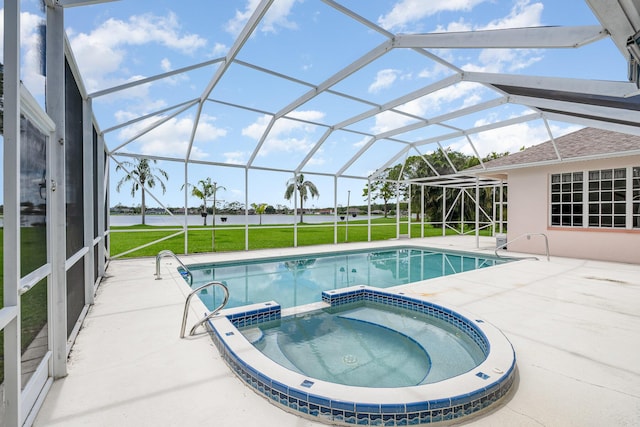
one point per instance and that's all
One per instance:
(259, 208)
(304, 188)
(141, 174)
(204, 190)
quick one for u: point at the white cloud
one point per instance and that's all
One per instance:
(384, 80)
(276, 16)
(510, 138)
(362, 142)
(285, 135)
(429, 105)
(235, 24)
(523, 14)
(219, 49)
(31, 47)
(408, 11)
(102, 52)
(236, 157)
(172, 137)
(165, 64)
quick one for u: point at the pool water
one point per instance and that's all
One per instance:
(298, 281)
(368, 345)
(450, 364)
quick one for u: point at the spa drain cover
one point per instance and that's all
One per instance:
(349, 359)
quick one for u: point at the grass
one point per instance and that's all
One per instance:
(232, 238)
(33, 304)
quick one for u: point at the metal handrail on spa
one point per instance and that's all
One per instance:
(528, 236)
(167, 252)
(208, 316)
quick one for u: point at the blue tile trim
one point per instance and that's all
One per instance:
(336, 298)
(300, 398)
(241, 319)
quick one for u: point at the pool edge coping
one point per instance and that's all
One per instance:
(447, 400)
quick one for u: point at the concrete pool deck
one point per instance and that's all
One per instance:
(574, 324)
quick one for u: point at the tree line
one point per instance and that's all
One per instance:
(394, 182)
(141, 174)
(388, 185)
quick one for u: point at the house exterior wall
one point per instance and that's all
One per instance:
(529, 201)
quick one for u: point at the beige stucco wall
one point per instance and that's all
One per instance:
(528, 209)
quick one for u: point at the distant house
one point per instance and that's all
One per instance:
(582, 190)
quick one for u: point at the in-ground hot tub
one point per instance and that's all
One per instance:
(432, 399)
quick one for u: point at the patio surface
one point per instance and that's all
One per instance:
(574, 324)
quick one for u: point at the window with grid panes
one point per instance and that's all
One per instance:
(607, 205)
(567, 191)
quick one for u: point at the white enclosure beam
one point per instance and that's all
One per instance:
(154, 125)
(446, 82)
(513, 38)
(55, 103)
(190, 103)
(587, 110)
(592, 122)
(364, 60)
(10, 312)
(621, 18)
(582, 86)
(153, 78)
(87, 187)
(75, 3)
(491, 126)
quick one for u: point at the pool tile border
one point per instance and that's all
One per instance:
(336, 298)
(300, 399)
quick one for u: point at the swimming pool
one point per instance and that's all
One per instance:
(294, 281)
(368, 344)
(443, 401)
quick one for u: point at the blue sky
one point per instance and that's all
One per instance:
(124, 41)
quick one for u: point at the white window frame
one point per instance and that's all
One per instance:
(573, 202)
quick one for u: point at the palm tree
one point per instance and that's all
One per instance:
(259, 208)
(141, 174)
(204, 190)
(303, 187)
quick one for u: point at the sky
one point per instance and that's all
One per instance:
(125, 41)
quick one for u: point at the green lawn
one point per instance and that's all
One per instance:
(33, 310)
(232, 238)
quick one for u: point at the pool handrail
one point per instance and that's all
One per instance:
(167, 252)
(208, 316)
(528, 236)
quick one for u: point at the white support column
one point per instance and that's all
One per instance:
(186, 208)
(87, 188)
(444, 211)
(409, 213)
(477, 212)
(422, 211)
(246, 209)
(102, 204)
(368, 210)
(55, 97)
(462, 197)
(295, 210)
(493, 211)
(397, 213)
(501, 204)
(107, 204)
(335, 210)
(11, 189)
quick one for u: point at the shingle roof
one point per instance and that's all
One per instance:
(587, 142)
